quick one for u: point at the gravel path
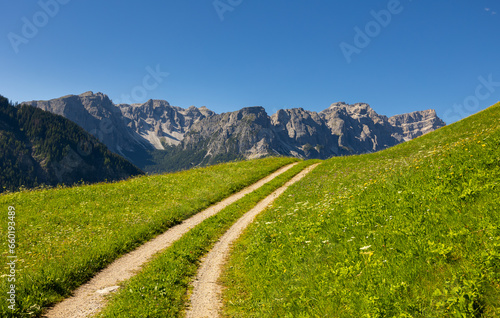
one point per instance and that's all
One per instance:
(88, 299)
(206, 295)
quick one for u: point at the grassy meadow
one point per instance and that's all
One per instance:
(412, 231)
(161, 288)
(65, 235)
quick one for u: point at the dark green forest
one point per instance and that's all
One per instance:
(38, 148)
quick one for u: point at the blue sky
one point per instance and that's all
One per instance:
(229, 54)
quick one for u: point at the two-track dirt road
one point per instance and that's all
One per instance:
(206, 296)
(88, 299)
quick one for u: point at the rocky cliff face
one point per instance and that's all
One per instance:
(415, 124)
(341, 129)
(127, 129)
(247, 132)
(160, 123)
(100, 117)
(305, 134)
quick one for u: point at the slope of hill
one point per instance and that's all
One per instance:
(411, 231)
(64, 236)
(40, 148)
(159, 137)
(162, 287)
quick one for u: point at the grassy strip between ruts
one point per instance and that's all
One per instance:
(412, 231)
(160, 289)
(65, 235)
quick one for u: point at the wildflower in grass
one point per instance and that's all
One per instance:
(365, 247)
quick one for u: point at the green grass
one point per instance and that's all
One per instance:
(65, 235)
(412, 231)
(160, 289)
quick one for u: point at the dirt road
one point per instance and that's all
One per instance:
(206, 295)
(90, 297)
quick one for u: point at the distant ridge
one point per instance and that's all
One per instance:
(159, 137)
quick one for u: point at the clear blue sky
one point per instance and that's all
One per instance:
(276, 54)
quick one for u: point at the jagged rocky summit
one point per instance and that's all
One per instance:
(137, 129)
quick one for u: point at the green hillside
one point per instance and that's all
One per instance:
(63, 236)
(39, 148)
(161, 288)
(412, 231)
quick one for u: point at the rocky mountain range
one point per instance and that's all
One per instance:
(155, 131)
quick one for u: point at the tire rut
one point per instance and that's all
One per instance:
(205, 300)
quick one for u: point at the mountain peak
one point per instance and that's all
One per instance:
(89, 93)
(253, 109)
(338, 104)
